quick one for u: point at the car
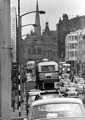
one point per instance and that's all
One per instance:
(62, 89)
(72, 92)
(30, 97)
(57, 108)
(47, 94)
(80, 87)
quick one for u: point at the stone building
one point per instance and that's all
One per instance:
(66, 25)
(38, 45)
(73, 49)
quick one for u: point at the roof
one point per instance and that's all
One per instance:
(48, 63)
(56, 100)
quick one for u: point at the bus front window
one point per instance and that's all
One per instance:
(48, 68)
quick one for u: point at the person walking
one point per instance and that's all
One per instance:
(13, 100)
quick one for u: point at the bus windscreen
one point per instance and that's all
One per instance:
(48, 68)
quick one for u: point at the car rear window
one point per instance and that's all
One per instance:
(57, 110)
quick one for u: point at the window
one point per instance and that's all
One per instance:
(76, 53)
(48, 68)
(57, 110)
(73, 46)
(39, 51)
(72, 37)
(75, 37)
(29, 51)
(72, 53)
(34, 51)
(70, 46)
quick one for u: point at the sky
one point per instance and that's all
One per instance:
(54, 10)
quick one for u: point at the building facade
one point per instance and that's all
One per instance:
(74, 49)
(65, 26)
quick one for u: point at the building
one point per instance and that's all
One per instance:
(83, 56)
(38, 45)
(65, 26)
(74, 49)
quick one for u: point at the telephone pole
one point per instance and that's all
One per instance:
(5, 60)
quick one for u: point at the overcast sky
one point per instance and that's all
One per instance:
(54, 10)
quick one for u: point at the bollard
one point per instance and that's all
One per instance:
(19, 88)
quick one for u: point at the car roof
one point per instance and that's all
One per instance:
(56, 100)
(47, 63)
(34, 92)
(54, 91)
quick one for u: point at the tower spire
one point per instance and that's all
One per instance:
(37, 29)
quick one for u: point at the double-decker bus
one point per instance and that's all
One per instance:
(47, 74)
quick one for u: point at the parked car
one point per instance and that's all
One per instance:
(57, 108)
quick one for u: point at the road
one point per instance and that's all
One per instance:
(23, 108)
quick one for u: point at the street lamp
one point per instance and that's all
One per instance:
(24, 35)
(41, 12)
(34, 25)
(19, 38)
(20, 26)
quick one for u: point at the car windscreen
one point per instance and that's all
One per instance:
(57, 111)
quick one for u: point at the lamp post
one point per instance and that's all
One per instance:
(19, 26)
(19, 39)
(41, 12)
(34, 25)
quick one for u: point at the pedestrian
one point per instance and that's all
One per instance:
(27, 106)
(13, 100)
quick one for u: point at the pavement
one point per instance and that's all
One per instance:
(23, 110)
(15, 113)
